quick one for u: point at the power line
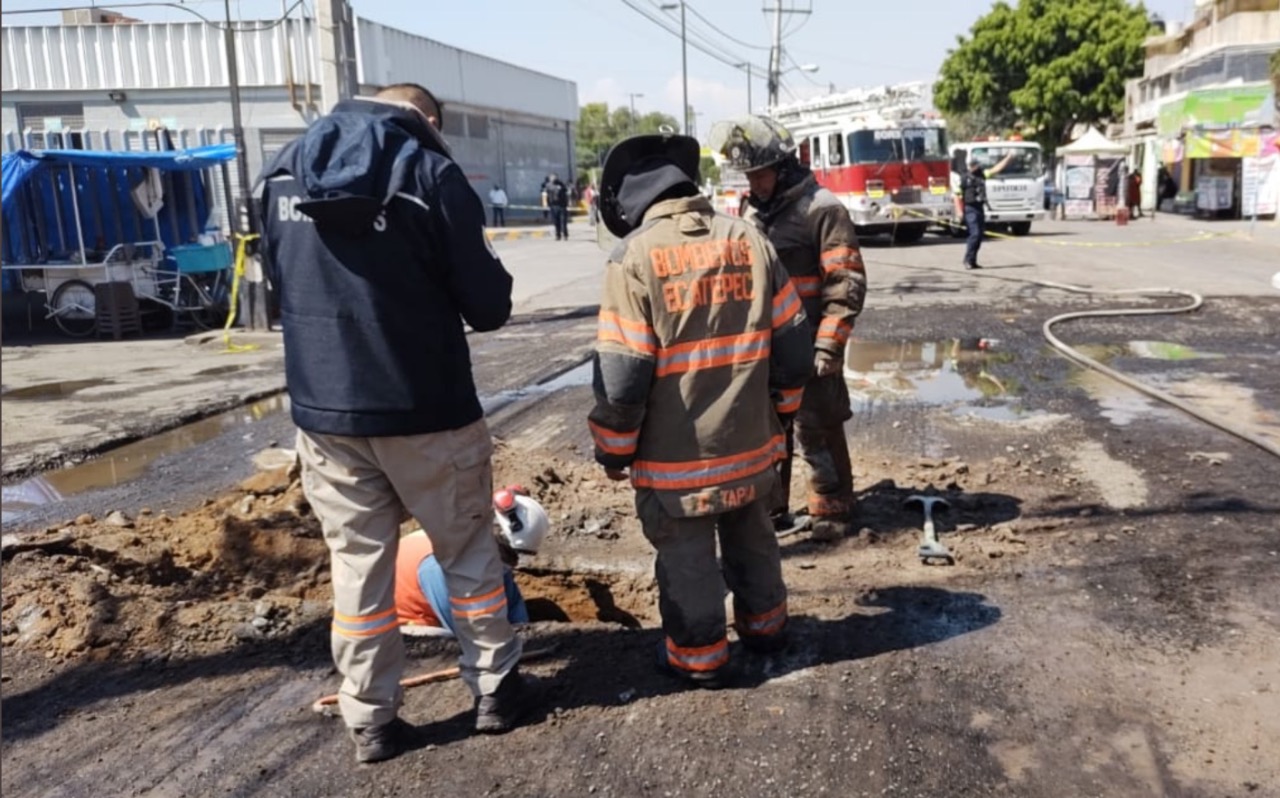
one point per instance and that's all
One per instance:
(726, 57)
(720, 31)
(693, 31)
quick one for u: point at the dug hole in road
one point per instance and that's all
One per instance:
(1109, 627)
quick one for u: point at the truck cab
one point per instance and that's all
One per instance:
(1015, 195)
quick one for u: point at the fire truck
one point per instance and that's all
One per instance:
(882, 151)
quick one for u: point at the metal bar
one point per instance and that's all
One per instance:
(75, 207)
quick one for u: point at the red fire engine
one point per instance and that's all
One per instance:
(882, 151)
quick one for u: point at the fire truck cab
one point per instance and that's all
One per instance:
(882, 151)
(1015, 195)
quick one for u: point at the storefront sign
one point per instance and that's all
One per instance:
(1260, 185)
(1227, 144)
(1237, 106)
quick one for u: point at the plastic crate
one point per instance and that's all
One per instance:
(191, 258)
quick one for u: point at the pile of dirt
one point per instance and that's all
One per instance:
(249, 565)
(252, 565)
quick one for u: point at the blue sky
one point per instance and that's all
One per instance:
(611, 51)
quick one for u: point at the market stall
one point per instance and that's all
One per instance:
(1090, 174)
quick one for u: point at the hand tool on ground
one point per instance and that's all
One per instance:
(322, 704)
(930, 548)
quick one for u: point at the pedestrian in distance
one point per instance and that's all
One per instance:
(971, 204)
(498, 201)
(818, 245)
(1133, 194)
(557, 199)
(388, 418)
(703, 350)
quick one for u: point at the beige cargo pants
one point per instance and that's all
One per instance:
(357, 487)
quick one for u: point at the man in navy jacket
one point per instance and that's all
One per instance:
(375, 242)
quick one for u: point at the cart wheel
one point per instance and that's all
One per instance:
(207, 299)
(74, 308)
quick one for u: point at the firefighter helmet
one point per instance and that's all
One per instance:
(522, 522)
(682, 150)
(750, 143)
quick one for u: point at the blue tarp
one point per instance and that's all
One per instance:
(39, 215)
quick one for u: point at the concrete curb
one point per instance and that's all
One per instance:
(514, 235)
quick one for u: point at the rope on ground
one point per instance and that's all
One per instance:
(322, 704)
(238, 273)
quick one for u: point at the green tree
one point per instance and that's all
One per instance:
(1048, 64)
(599, 129)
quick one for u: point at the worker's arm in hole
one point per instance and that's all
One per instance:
(477, 281)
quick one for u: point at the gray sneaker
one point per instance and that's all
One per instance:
(381, 742)
(503, 710)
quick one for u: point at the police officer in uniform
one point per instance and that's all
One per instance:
(971, 204)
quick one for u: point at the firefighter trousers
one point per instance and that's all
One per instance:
(358, 488)
(691, 583)
(820, 439)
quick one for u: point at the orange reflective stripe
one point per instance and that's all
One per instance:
(786, 304)
(613, 442)
(365, 625)
(820, 504)
(807, 287)
(632, 334)
(768, 623)
(836, 329)
(714, 352)
(488, 604)
(841, 258)
(707, 473)
(790, 401)
(706, 658)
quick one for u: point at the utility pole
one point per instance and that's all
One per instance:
(747, 66)
(775, 53)
(633, 97)
(333, 19)
(684, 57)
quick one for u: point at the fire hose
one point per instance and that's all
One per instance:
(1074, 355)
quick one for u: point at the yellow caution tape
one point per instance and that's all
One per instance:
(241, 246)
(1201, 236)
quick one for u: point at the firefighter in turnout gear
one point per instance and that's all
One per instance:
(702, 354)
(816, 241)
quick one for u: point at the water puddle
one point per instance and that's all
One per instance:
(53, 390)
(219, 370)
(575, 377)
(969, 375)
(128, 462)
(1147, 350)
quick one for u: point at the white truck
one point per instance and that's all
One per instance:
(1016, 194)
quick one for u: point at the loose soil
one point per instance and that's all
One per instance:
(1109, 627)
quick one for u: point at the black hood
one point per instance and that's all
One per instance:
(352, 162)
(647, 181)
(638, 161)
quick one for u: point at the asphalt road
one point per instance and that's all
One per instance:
(1110, 630)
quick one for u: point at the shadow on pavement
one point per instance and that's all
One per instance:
(598, 666)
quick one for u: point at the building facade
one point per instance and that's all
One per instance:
(1206, 109)
(122, 84)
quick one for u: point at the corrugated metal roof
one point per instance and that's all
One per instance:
(192, 54)
(389, 55)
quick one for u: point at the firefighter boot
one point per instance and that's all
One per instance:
(829, 529)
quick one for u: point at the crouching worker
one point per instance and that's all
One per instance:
(422, 596)
(703, 348)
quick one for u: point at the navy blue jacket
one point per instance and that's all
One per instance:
(375, 243)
